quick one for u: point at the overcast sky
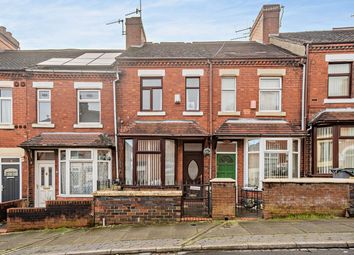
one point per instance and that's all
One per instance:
(42, 24)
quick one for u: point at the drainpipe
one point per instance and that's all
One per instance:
(115, 120)
(210, 116)
(303, 98)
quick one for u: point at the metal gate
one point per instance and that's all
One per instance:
(196, 200)
(249, 203)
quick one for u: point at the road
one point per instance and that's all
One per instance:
(279, 252)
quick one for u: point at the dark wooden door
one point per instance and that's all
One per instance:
(193, 168)
(10, 182)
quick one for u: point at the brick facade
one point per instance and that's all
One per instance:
(306, 197)
(56, 214)
(223, 199)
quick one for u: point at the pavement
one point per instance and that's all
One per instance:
(184, 237)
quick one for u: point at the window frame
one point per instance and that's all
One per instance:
(234, 90)
(89, 101)
(94, 160)
(11, 103)
(162, 152)
(335, 149)
(280, 90)
(191, 88)
(142, 88)
(262, 151)
(340, 75)
(44, 100)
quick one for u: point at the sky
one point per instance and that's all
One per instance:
(49, 24)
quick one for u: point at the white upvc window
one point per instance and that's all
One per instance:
(89, 106)
(267, 158)
(44, 115)
(83, 171)
(228, 94)
(5, 105)
(270, 92)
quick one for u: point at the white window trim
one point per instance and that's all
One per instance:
(94, 161)
(88, 85)
(192, 72)
(6, 84)
(159, 113)
(44, 100)
(262, 142)
(8, 125)
(340, 57)
(280, 90)
(338, 101)
(271, 72)
(151, 72)
(191, 113)
(20, 174)
(88, 124)
(43, 84)
(235, 96)
(229, 72)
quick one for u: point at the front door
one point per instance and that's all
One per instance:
(226, 166)
(10, 175)
(193, 168)
(45, 183)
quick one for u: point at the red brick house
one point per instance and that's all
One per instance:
(190, 112)
(57, 122)
(330, 95)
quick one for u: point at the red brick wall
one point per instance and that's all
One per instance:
(137, 209)
(284, 199)
(318, 79)
(223, 200)
(10, 204)
(57, 214)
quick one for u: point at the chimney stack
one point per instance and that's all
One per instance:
(135, 34)
(7, 41)
(266, 23)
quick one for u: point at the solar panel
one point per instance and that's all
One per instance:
(91, 55)
(55, 62)
(102, 62)
(79, 62)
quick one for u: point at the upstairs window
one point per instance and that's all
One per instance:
(44, 106)
(151, 94)
(339, 80)
(270, 94)
(192, 94)
(89, 106)
(228, 94)
(5, 105)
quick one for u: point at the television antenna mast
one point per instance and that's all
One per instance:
(137, 11)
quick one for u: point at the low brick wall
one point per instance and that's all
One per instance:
(223, 198)
(56, 214)
(10, 204)
(131, 207)
(328, 196)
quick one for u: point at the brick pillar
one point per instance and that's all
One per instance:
(223, 198)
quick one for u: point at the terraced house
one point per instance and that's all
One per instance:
(171, 116)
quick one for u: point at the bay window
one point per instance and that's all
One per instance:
(271, 158)
(334, 148)
(83, 171)
(270, 94)
(151, 94)
(228, 94)
(192, 94)
(5, 106)
(150, 162)
(339, 76)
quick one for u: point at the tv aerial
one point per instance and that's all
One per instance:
(121, 21)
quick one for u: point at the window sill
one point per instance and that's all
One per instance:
(88, 125)
(229, 113)
(151, 113)
(7, 126)
(338, 100)
(193, 113)
(271, 114)
(78, 196)
(39, 125)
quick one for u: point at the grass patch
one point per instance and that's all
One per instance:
(305, 216)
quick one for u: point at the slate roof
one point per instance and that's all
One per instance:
(18, 60)
(258, 127)
(68, 140)
(164, 128)
(333, 117)
(326, 36)
(203, 50)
